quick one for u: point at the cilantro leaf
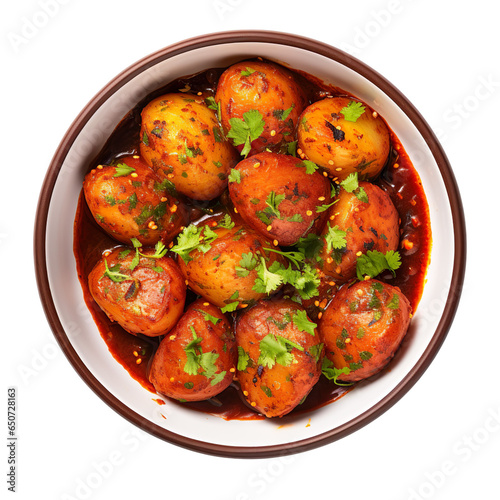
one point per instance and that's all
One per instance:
(208, 317)
(114, 273)
(271, 211)
(276, 349)
(352, 111)
(374, 262)
(243, 359)
(295, 257)
(196, 359)
(246, 130)
(234, 176)
(123, 169)
(350, 183)
(193, 238)
(230, 307)
(310, 246)
(267, 280)
(303, 323)
(335, 238)
(248, 263)
(247, 71)
(332, 373)
(324, 208)
(310, 166)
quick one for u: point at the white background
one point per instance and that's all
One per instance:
(441, 441)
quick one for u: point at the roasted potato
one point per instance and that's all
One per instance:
(362, 328)
(181, 139)
(197, 359)
(266, 91)
(130, 201)
(141, 293)
(221, 261)
(340, 145)
(279, 196)
(369, 221)
(279, 356)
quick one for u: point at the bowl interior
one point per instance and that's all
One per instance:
(80, 337)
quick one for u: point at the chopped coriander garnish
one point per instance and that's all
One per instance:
(197, 359)
(244, 131)
(123, 169)
(276, 349)
(335, 238)
(271, 211)
(332, 373)
(374, 262)
(114, 274)
(247, 71)
(303, 323)
(352, 111)
(234, 176)
(351, 185)
(243, 359)
(324, 208)
(193, 238)
(232, 306)
(310, 166)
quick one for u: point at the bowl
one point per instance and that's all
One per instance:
(72, 323)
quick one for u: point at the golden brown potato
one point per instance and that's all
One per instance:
(279, 356)
(275, 194)
(372, 225)
(129, 201)
(197, 360)
(340, 146)
(221, 261)
(143, 295)
(259, 88)
(182, 141)
(362, 328)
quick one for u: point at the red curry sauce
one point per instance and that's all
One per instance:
(399, 178)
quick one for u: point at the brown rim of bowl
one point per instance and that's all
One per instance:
(280, 39)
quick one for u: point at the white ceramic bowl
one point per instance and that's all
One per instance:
(73, 326)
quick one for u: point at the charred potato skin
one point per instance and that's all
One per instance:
(266, 173)
(363, 327)
(150, 302)
(276, 391)
(182, 140)
(269, 89)
(214, 275)
(368, 226)
(133, 206)
(168, 374)
(362, 146)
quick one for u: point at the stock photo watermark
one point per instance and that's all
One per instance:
(462, 451)
(459, 113)
(266, 475)
(32, 24)
(105, 466)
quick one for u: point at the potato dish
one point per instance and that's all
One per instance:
(256, 232)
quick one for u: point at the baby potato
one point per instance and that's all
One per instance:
(221, 261)
(275, 194)
(267, 91)
(279, 356)
(362, 328)
(141, 293)
(368, 225)
(129, 201)
(196, 361)
(181, 139)
(342, 146)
